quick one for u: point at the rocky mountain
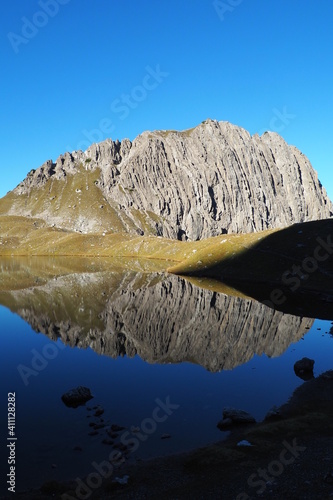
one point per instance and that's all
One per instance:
(206, 181)
(162, 319)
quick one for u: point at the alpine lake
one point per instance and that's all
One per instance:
(162, 356)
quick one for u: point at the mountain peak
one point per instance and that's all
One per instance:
(215, 178)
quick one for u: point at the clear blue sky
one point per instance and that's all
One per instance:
(77, 71)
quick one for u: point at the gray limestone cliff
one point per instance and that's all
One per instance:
(213, 179)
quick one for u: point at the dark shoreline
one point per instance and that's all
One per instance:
(291, 457)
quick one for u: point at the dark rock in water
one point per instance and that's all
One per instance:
(77, 448)
(107, 441)
(304, 368)
(232, 416)
(99, 426)
(120, 446)
(99, 412)
(165, 436)
(112, 434)
(117, 428)
(76, 397)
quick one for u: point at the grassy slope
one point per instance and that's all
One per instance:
(77, 199)
(28, 236)
(253, 254)
(239, 261)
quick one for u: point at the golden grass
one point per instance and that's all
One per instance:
(256, 257)
(77, 198)
(28, 236)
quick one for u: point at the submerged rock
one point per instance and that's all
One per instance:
(99, 412)
(116, 428)
(77, 397)
(99, 426)
(107, 441)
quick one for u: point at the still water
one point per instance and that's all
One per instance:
(146, 344)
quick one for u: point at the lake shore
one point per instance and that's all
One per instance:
(290, 457)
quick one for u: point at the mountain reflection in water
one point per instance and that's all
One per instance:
(135, 335)
(162, 318)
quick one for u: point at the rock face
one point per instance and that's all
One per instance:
(201, 182)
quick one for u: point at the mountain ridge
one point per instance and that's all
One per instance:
(213, 179)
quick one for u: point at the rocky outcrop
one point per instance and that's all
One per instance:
(202, 182)
(163, 320)
(231, 417)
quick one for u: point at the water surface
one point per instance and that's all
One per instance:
(136, 339)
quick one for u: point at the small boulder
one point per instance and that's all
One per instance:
(303, 368)
(76, 397)
(225, 423)
(231, 417)
(238, 416)
(99, 412)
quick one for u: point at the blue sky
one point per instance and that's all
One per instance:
(78, 71)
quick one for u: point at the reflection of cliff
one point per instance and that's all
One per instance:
(162, 319)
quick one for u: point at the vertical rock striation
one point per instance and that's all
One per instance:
(206, 181)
